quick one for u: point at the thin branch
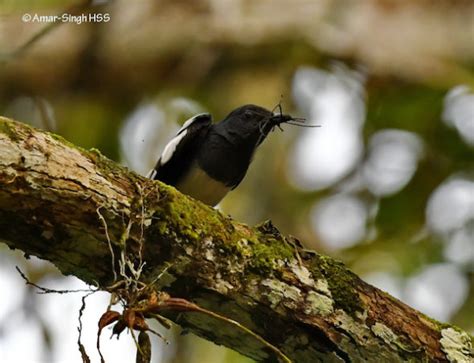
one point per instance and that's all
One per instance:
(73, 10)
(109, 242)
(45, 290)
(82, 349)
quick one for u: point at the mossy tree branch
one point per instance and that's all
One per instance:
(53, 196)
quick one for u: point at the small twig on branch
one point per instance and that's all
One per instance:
(82, 349)
(109, 242)
(45, 290)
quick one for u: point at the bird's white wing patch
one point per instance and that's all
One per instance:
(171, 147)
(191, 120)
(151, 174)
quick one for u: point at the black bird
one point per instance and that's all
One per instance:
(206, 160)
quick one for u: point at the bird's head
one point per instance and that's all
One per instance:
(251, 122)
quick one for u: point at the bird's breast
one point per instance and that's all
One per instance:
(224, 160)
(199, 185)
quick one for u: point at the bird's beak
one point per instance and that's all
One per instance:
(278, 119)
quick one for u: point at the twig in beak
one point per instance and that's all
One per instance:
(301, 125)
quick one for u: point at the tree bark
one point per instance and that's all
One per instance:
(69, 206)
